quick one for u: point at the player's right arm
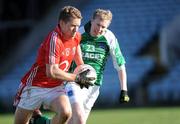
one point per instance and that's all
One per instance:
(53, 71)
(53, 51)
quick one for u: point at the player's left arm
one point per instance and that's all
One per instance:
(119, 64)
(123, 77)
(123, 83)
(78, 56)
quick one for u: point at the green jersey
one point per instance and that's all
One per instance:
(95, 51)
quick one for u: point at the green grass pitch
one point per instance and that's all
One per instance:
(163, 115)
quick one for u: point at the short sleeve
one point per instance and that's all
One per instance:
(115, 51)
(53, 49)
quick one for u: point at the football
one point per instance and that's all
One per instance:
(92, 72)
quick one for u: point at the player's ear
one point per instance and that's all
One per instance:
(91, 20)
(61, 23)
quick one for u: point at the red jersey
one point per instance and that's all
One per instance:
(53, 50)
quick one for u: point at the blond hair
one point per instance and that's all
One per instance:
(103, 14)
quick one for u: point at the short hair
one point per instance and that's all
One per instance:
(69, 12)
(103, 14)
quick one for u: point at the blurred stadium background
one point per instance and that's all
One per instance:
(138, 25)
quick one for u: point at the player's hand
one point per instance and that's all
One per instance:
(83, 80)
(124, 98)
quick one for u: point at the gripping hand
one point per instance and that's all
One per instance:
(124, 98)
(83, 80)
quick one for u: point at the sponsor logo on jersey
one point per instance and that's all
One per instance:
(103, 46)
(92, 56)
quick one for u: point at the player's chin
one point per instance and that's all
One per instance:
(98, 34)
(73, 34)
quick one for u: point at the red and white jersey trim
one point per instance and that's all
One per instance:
(53, 42)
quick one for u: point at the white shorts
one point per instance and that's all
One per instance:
(85, 96)
(33, 97)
